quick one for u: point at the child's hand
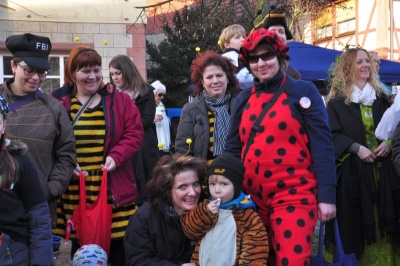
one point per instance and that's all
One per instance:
(213, 206)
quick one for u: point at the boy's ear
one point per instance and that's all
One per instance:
(226, 45)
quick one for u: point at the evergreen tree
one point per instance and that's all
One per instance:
(200, 25)
(197, 26)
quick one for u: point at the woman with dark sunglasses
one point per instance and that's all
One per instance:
(280, 130)
(162, 123)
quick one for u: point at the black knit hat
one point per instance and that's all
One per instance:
(229, 166)
(33, 49)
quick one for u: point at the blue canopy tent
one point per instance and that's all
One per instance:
(313, 62)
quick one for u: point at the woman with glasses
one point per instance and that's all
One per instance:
(205, 120)
(280, 131)
(368, 200)
(108, 133)
(154, 235)
(162, 123)
(127, 78)
(38, 119)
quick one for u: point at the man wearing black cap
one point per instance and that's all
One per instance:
(37, 119)
(277, 22)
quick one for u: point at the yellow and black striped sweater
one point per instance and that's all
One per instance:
(90, 132)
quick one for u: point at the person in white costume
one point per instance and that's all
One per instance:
(161, 120)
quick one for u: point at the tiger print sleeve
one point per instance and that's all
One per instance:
(253, 249)
(198, 221)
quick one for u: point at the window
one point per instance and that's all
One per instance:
(324, 32)
(346, 26)
(54, 79)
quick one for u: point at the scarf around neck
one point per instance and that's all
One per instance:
(221, 120)
(242, 202)
(365, 97)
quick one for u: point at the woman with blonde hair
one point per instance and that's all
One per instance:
(345, 75)
(367, 183)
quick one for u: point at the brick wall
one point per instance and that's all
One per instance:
(122, 38)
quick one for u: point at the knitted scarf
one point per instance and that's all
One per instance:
(365, 96)
(220, 109)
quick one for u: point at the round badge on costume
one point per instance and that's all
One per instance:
(368, 113)
(305, 102)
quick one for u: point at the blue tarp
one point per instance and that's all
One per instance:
(313, 61)
(172, 112)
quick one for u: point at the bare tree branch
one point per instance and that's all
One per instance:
(155, 5)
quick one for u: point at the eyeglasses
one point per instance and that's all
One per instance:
(30, 72)
(184, 187)
(378, 62)
(253, 59)
(160, 94)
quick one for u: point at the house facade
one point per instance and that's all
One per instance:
(371, 24)
(111, 27)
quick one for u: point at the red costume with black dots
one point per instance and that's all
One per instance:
(279, 171)
(290, 164)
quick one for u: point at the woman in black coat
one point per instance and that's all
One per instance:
(367, 183)
(126, 76)
(154, 235)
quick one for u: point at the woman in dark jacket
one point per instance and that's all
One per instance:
(205, 120)
(154, 235)
(25, 230)
(126, 76)
(368, 187)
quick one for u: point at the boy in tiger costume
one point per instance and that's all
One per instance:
(227, 228)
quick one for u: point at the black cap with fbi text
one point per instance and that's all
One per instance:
(33, 49)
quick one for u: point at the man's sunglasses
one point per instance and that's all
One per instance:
(253, 59)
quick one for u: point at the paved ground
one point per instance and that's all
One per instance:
(64, 257)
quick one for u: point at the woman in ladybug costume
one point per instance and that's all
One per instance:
(280, 130)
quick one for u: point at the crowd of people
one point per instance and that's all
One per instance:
(257, 158)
